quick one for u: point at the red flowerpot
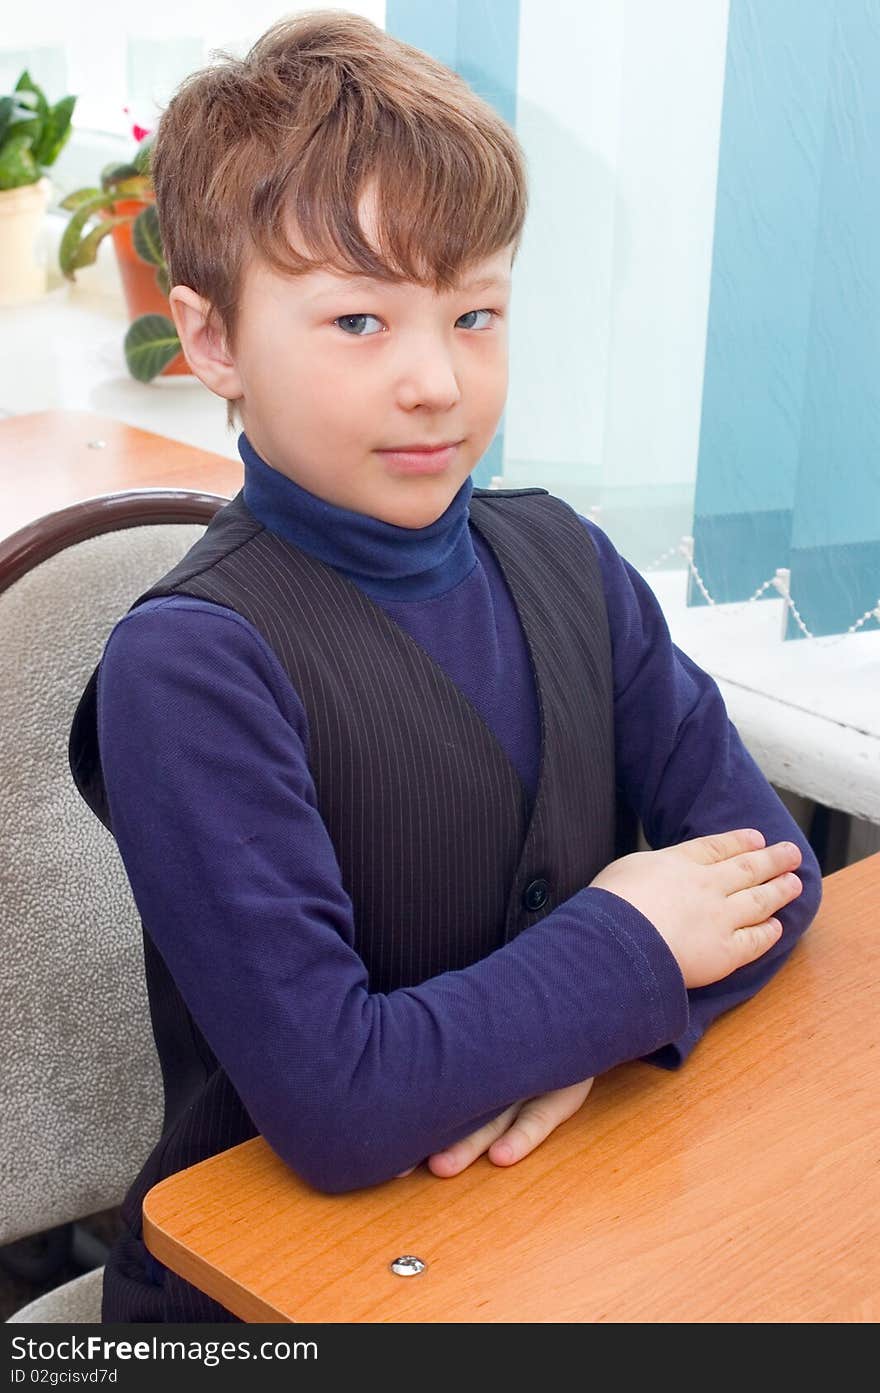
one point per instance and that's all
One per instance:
(142, 294)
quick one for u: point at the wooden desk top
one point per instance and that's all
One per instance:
(47, 463)
(743, 1188)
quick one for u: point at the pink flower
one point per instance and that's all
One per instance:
(137, 131)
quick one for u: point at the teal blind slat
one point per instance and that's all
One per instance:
(835, 551)
(768, 197)
(788, 473)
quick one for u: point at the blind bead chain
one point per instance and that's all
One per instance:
(780, 581)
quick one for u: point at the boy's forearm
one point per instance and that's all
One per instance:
(686, 773)
(416, 1070)
(737, 795)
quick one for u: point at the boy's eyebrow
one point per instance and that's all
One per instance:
(486, 283)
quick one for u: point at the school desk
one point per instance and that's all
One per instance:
(743, 1188)
(51, 459)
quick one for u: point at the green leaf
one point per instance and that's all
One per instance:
(136, 188)
(129, 189)
(56, 132)
(163, 280)
(87, 251)
(67, 251)
(7, 107)
(29, 125)
(23, 117)
(114, 173)
(146, 238)
(27, 103)
(73, 200)
(150, 344)
(25, 84)
(144, 153)
(17, 165)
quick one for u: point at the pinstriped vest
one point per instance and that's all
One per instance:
(438, 848)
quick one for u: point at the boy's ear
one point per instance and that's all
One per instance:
(204, 346)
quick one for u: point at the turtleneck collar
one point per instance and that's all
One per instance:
(386, 561)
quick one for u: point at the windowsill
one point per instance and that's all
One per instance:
(806, 708)
(65, 350)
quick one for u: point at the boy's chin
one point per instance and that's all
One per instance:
(420, 512)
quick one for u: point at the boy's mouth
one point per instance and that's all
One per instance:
(420, 459)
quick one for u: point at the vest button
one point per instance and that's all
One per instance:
(535, 895)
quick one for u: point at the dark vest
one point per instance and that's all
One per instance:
(392, 744)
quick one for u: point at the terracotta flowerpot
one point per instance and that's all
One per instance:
(142, 294)
(24, 273)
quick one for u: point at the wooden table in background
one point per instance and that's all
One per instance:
(47, 462)
(743, 1188)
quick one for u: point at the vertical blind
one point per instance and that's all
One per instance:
(789, 464)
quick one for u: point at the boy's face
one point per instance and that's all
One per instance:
(331, 370)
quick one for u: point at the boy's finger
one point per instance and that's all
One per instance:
(536, 1120)
(752, 942)
(459, 1157)
(528, 1131)
(721, 845)
(758, 867)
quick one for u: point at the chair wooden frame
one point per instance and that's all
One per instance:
(30, 546)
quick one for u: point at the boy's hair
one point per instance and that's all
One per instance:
(285, 139)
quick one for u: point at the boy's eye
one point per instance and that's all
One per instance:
(355, 319)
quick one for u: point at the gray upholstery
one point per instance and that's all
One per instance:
(77, 1302)
(80, 1086)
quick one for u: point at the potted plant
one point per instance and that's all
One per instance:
(124, 208)
(32, 136)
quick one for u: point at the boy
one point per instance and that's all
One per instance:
(373, 751)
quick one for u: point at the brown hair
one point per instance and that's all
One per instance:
(323, 104)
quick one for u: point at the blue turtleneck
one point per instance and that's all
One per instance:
(182, 678)
(387, 562)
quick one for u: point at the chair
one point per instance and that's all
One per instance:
(80, 1089)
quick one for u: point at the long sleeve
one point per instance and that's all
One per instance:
(203, 744)
(684, 770)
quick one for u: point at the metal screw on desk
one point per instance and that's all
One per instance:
(96, 444)
(407, 1266)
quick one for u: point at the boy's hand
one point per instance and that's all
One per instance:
(710, 898)
(535, 1119)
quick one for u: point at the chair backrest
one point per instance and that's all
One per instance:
(80, 1086)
